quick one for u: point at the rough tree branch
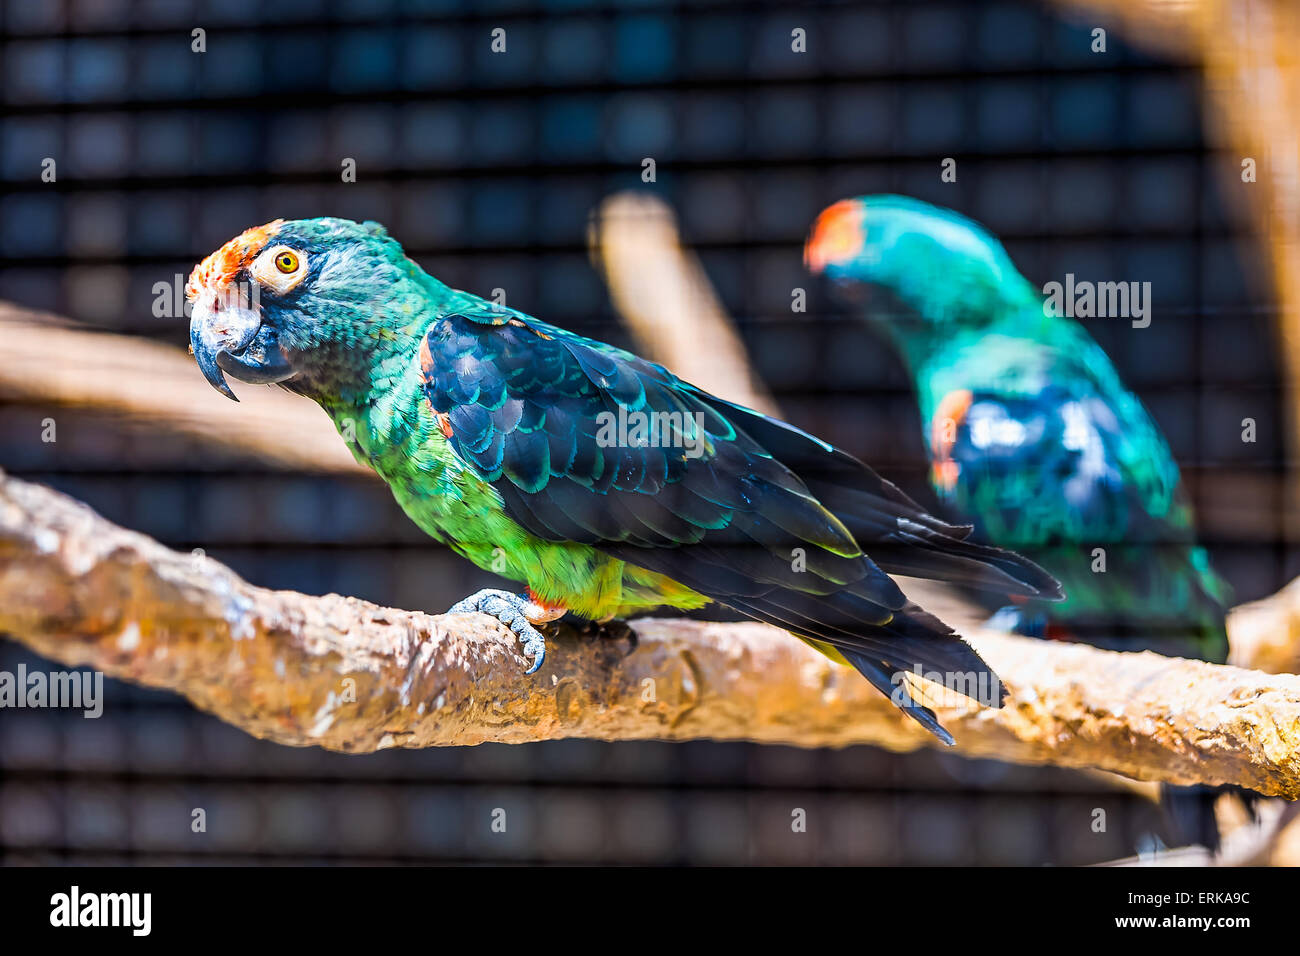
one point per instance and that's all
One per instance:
(351, 676)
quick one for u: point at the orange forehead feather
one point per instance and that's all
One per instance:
(836, 237)
(223, 265)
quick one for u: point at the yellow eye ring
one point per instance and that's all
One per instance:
(286, 262)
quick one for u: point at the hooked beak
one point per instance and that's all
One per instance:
(228, 340)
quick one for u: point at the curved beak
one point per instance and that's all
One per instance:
(234, 340)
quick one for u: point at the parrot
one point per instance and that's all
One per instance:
(599, 480)
(1033, 438)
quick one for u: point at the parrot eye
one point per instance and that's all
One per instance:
(280, 269)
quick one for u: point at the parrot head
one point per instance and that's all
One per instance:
(297, 303)
(932, 259)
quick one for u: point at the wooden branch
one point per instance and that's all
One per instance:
(1265, 634)
(346, 675)
(44, 358)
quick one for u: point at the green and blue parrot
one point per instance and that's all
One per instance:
(1031, 434)
(599, 480)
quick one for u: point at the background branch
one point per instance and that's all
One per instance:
(664, 297)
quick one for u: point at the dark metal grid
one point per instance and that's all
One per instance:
(1077, 163)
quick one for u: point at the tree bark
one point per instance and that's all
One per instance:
(347, 675)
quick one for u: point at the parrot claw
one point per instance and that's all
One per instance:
(512, 610)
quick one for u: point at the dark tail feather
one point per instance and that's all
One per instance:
(924, 553)
(929, 550)
(914, 641)
(915, 633)
(898, 534)
(882, 679)
(922, 641)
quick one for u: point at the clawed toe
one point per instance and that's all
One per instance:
(511, 610)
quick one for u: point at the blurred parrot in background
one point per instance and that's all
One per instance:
(1033, 438)
(598, 479)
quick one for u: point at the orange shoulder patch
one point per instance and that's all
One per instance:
(426, 357)
(948, 417)
(426, 369)
(444, 424)
(950, 414)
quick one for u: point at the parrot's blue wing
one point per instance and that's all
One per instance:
(995, 455)
(591, 444)
(1047, 474)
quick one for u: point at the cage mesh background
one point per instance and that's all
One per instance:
(486, 167)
